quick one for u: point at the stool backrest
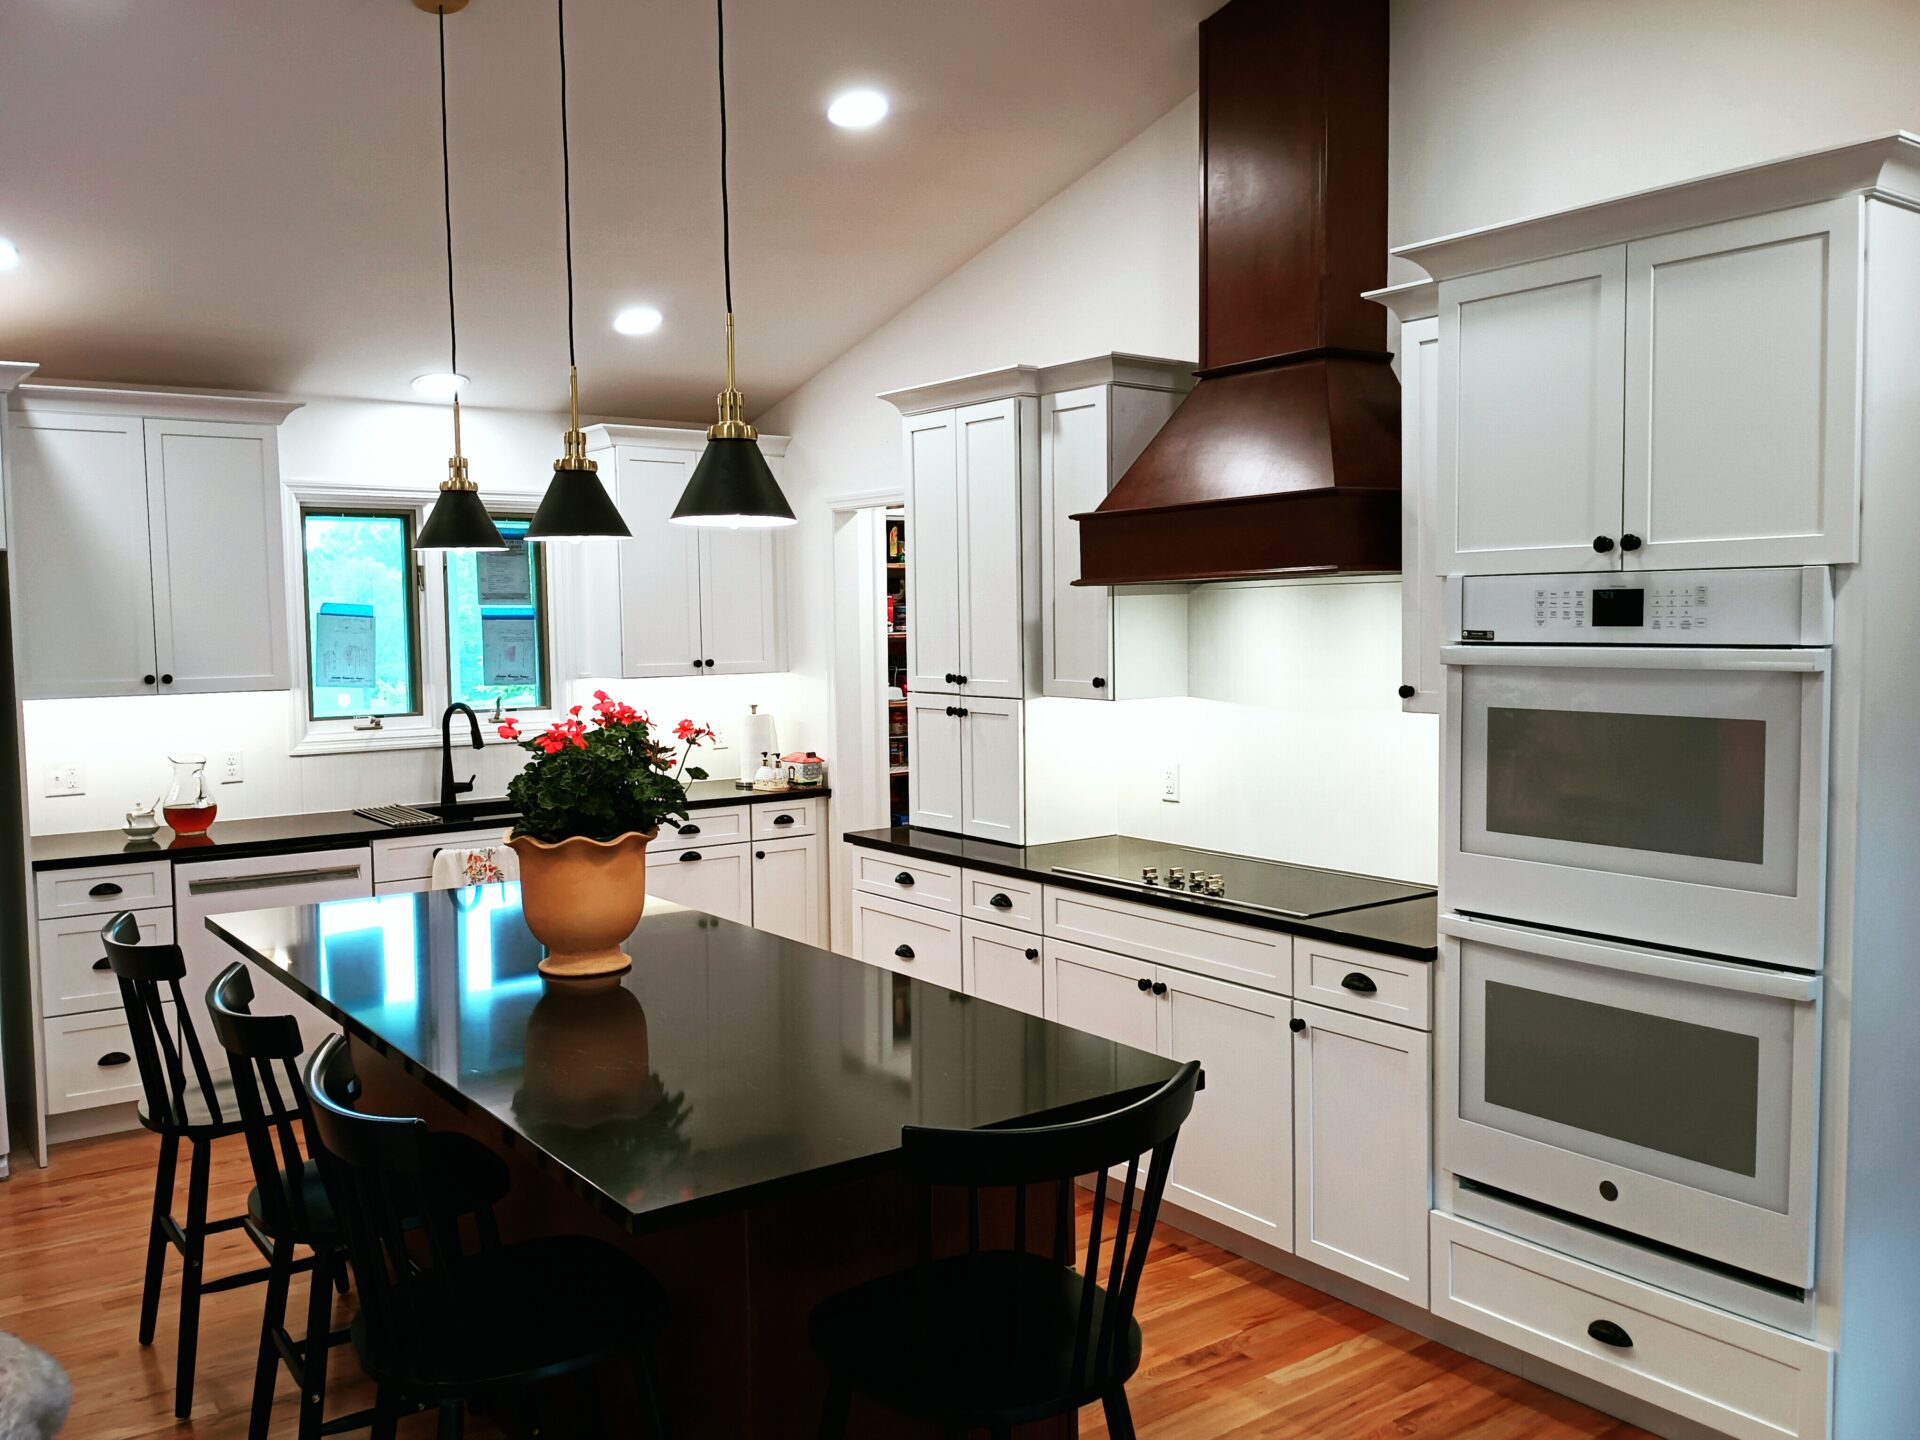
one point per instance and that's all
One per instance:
(172, 1064)
(262, 1055)
(1092, 1143)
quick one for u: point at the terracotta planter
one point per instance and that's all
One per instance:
(581, 898)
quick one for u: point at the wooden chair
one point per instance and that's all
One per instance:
(445, 1325)
(180, 1101)
(289, 1207)
(993, 1338)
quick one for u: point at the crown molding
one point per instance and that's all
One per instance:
(154, 401)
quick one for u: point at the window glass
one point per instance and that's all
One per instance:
(361, 625)
(497, 624)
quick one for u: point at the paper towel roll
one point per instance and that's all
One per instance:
(757, 735)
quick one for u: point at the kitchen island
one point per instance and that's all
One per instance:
(731, 1113)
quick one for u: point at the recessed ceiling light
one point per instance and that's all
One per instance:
(9, 254)
(439, 386)
(637, 320)
(857, 109)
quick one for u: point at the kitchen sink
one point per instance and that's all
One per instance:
(476, 812)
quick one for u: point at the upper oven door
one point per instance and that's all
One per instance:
(1672, 796)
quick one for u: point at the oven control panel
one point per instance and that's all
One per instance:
(1774, 606)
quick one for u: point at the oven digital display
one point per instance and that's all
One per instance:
(1619, 606)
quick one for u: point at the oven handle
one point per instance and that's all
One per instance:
(1716, 974)
(1638, 657)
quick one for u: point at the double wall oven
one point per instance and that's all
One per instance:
(1634, 870)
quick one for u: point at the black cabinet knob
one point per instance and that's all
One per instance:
(1358, 983)
(1099, 682)
(1159, 987)
(1296, 1025)
(759, 854)
(1407, 692)
(709, 664)
(696, 664)
(903, 878)
(963, 712)
(148, 679)
(1630, 542)
(1602, 544)
(951, 678)
(1145, 984)
(105, 887)
(166, 679)
(959, 679)
(951, 710)
(102, 964)
(691, 855)
(113, 1058)
(1001, 902)
(783, 819)
(1608, 1333)
(1032, 954)
(903, 952)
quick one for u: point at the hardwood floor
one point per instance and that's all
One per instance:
(1233, 1351)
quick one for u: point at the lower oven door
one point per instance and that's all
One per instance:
(1671, 1098)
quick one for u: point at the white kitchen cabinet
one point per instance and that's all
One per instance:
(1101, 993)
(1530, 415)
(1003, 966)
(968, 773)
(1096, 645)
(717, 879)
(908, 939)
(787, 887)
(933, 572)
(1742, 391)
(995, 475)
(933, 740)
(172, 515)
(1362, 1092)
(691, 601)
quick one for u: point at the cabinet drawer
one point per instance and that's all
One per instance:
(1240, 953)
(1000, 901)
(103, 889)
(412, 858)
(909, 939)
(1363, 982)
(89, 1061)
(722, 825)
(925, 882)
(1740, 1378)
(771, 822)
(715, 878)
(1002, 965)
(74, 977)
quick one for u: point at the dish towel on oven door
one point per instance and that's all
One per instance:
(481, 865)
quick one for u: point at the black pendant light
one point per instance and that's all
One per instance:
(732, 486)
(576, 505)
(458, 520)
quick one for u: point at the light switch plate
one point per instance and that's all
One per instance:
(1170, 785)
(66, 779)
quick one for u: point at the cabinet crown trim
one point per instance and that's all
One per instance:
(1413, 300)
(12, 372)
(1005, 384)
(670, 437)
(1886, 167)
(153, 403)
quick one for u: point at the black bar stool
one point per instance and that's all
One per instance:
(990, 1338)
(180, 1101)
(442, 1324)
(289, 1207)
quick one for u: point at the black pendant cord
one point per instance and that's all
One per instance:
(446, 195)
(566, 180)
(726, 217)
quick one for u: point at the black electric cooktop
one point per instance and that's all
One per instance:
(1298, 892)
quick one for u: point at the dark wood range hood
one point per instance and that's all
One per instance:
(1286, 456)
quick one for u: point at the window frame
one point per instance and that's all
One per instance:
(541, 557)
(409, 518)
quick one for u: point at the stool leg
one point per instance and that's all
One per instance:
(1119, 1417)
(833, 1416)
(386, 1413)
(650, 1403)
(157, 1236)
(453, 1420)
(313, 1359)
(273, 1318)
(191, 1276)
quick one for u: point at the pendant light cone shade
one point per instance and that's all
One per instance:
(733, 486)
(459, 519)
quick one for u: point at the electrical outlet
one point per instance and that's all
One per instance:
(231, 772)
(1170, 785)
(66, 779)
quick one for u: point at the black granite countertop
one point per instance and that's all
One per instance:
(319, 830)
(1406, 926)
(730, 1065)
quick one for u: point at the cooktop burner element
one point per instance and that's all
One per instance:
(1299, 892)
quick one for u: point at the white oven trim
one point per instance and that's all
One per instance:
(1774, 1244)
(1779, 929)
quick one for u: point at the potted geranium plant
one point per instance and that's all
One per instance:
(590, 800)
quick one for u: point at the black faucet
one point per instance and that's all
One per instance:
(451, 789)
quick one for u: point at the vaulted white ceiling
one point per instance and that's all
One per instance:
(243, 194)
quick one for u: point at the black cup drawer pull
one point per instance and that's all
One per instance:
(689, 829)
(903, 878)
(102, 964)
(783, 820)
(1608, 1333)
(113, 1058)
(691, 855)
(904, 952)
(1001, 902)
(1358, 983)
(104, 888)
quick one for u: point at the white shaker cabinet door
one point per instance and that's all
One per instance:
(1361, 1090)
(933, 554)
(739, 611)
(78, 495)
(1076, 626)
(992, 770)
(935, 782)
(1530, 416)
(659, 566)
(1742, 391)
(786, 888)
(1422, 587)
(716, 880)
(214, 517)
(1101, 993)
(1003, 966)
(1234, 1160)
(988, 446)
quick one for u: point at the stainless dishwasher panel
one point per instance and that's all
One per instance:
(267, 882)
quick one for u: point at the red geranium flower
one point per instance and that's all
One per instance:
(510, 730)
